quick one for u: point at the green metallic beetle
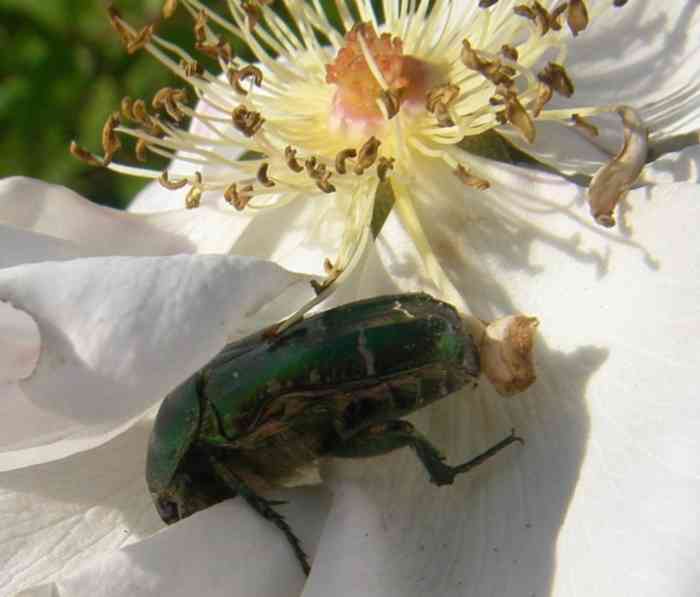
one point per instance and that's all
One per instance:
(333, 385)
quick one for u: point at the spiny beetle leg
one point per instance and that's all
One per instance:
(392, 435)
(263, 507)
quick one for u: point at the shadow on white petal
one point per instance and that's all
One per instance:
(20, 343)
(495, 531)
(683, 166)
(643, 55)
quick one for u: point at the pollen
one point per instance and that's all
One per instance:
(389, 78)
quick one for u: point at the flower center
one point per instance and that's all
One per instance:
(374, 78)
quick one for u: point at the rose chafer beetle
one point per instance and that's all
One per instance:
(332, 385)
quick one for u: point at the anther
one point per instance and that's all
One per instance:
(544, 94)
(290, 157)
(192, 68)
(383, 167)
(250, 71)
(487, 3)
(555, 76)
(84, 155)
(612, 182)
(200, 27)
(470, 57)
(194, 195)
(252, 12)
(310, 164)
(247, 121)
(263, 176)
(493, 70)
(516, 114)
(169, 7)
(470, 180)
(554, 16)
(443, 94)
(509, 52)
(171, 185)
(140, 150)
(323, 184)
(239, 198)
(341, 158)
(168, 99)
(367, 155)
(139, 112)
(577, 16)
(133, 42)
(110, 141)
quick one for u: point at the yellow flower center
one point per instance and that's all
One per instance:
(394, 80)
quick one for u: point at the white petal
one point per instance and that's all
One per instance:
(118, 334)
(59, 514)
(603, 495)
(227, 550)
(20, 344)
(63, 524)
(19, 246)
(60, 213)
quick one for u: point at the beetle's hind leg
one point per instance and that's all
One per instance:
(263, 507)
(392, 435)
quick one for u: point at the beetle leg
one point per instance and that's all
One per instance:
(263, 507)
(392, 435)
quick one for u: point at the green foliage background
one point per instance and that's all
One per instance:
(63, 71)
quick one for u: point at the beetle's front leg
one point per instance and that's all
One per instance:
(392, 435)
(263, 507)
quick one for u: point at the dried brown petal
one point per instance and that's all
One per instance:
(612, 182)
(505, 352)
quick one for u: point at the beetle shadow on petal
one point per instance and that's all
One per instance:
(495, 530)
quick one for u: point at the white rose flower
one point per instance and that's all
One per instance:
(603, 495)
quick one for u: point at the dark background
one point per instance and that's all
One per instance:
(63, 71)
